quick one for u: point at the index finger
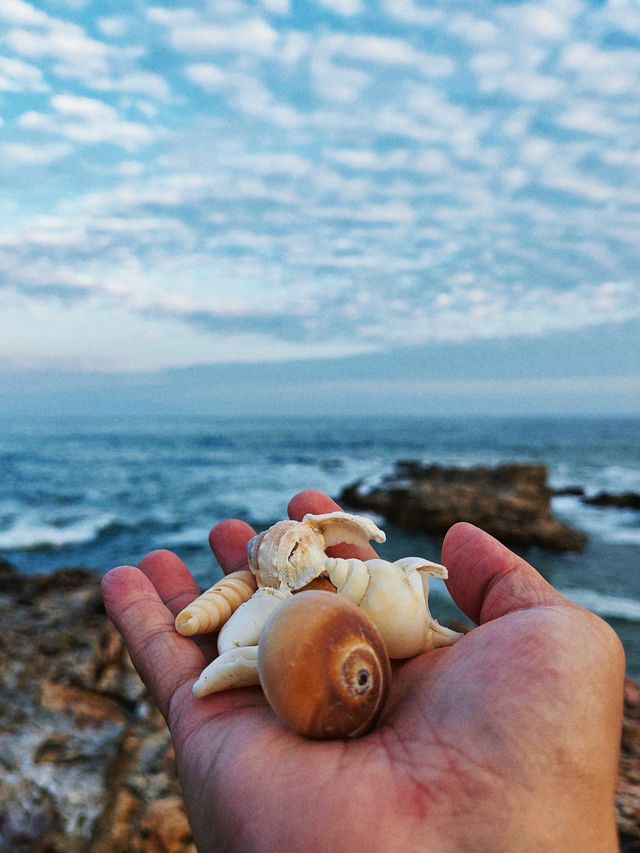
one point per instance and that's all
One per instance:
(165, 661)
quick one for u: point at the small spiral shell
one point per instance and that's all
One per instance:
(323, 666)
(211, 610)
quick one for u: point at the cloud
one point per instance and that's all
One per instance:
(21, 13)
(210, 77)
(114, 27)
(418, 176)
(347, 8)
(410, 12)
(22, 154)
(74, 55)
(87, 121)
(189, 34)
(19, 76)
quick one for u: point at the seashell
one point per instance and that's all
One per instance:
(237, 667)
(351, 578)
(293, 553)
(244, 626)
(252, 551)
(337, 527)
(323, 666)
(396, 600)
(212, 609)
(290, 554)
(320, 583)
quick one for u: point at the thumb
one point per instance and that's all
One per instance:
(487, 580)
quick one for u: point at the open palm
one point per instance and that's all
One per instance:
(507, 740)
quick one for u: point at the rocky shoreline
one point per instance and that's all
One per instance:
(86, 762)
(512, 502)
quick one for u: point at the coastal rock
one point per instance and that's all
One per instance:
(86, 761)
(628, 793)
(624, 500)
(512, 502)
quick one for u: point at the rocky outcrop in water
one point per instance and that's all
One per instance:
(512, 502)
(623, 500)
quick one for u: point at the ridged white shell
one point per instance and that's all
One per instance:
(235, 668)
(290, 553)
(244, 627)
(337, 527)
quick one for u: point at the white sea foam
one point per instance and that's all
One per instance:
(188, 536)
(609, 524)
(611, 606)
(28, 532)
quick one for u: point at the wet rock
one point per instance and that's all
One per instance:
(624, 500)
(512, 502)
(628, 793)
(84, 754)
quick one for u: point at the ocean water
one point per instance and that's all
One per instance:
(103, 492)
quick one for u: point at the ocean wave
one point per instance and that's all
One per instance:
(28, 534)
(609, 524)
(188, 536)
(611, 606)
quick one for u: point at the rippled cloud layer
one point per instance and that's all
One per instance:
(224, 181)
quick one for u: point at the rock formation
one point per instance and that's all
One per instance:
(86, 762)
(624, 500)
(512, 502)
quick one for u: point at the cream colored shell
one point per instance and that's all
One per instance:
(212, 609)
(291, 554)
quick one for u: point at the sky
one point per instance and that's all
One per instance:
(436, 205)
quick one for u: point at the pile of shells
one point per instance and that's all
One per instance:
(317, 632)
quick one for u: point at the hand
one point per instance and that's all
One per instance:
(507, 740)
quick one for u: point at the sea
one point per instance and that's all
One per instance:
(101, 492)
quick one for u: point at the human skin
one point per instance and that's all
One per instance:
(506, 741)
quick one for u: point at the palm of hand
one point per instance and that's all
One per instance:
(517, 707)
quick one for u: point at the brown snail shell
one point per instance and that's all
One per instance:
(323, 666)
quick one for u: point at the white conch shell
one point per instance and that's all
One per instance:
(237, 667)
(212, 608)
(395, 597)
(350, 577)
(337, 527)
(292, 553)
(244, 627)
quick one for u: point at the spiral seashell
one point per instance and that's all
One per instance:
(323, 666)
(289, 553)
(211, 610)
